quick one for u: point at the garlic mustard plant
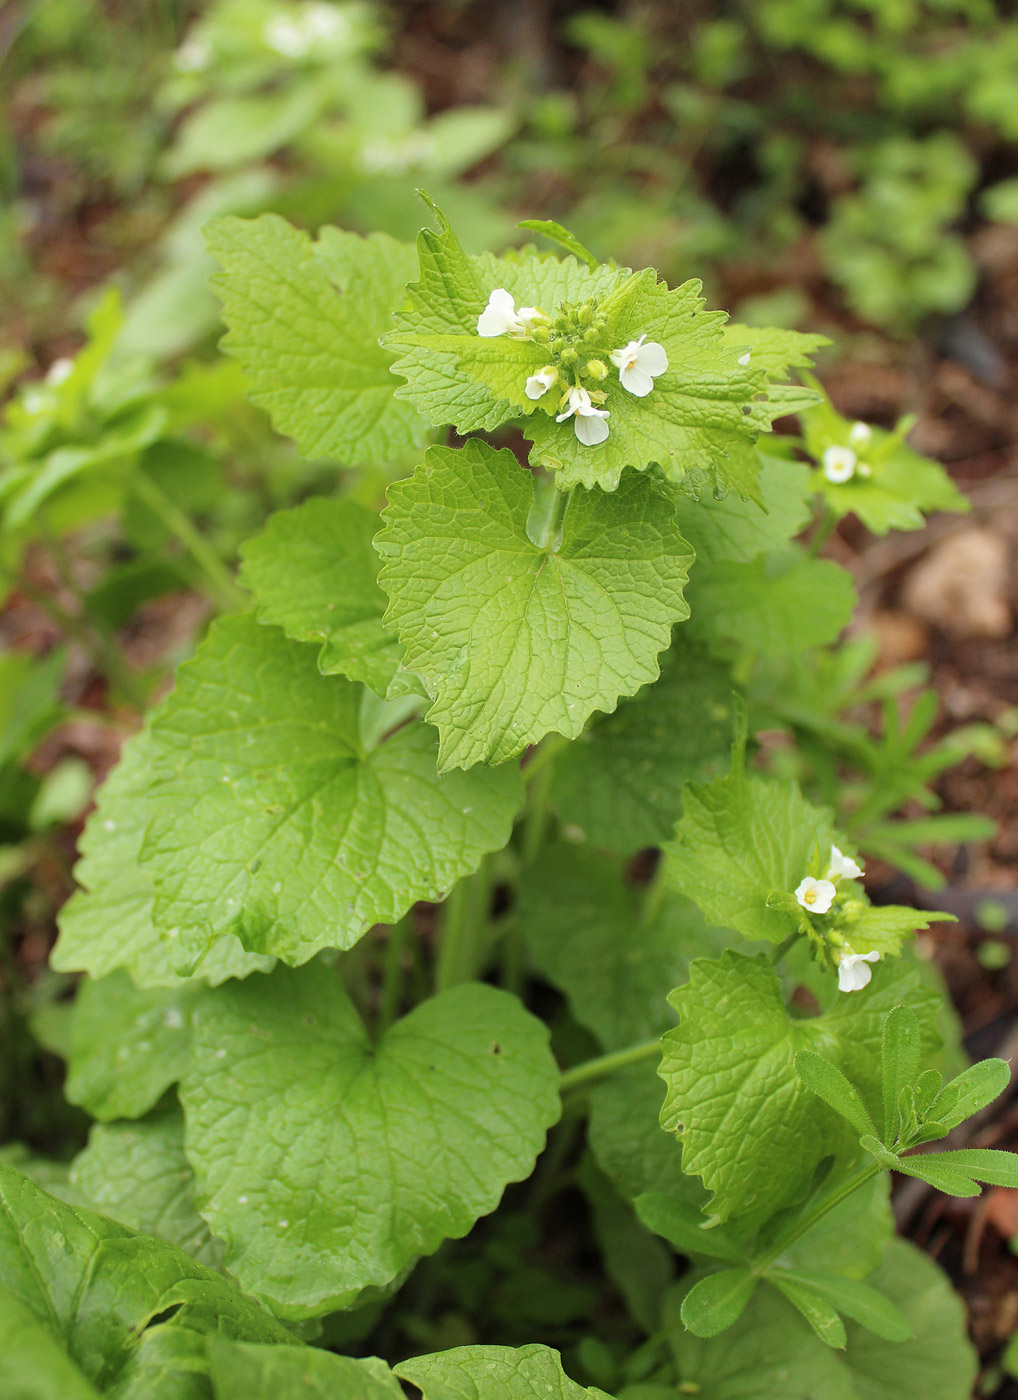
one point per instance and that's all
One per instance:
(363, 937)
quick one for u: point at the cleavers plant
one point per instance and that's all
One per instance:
(388, 813)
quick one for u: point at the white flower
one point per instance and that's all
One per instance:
(860, 433)
(192, 56)
(60, 370)
(815, 895)
(842, 867)
(839, 464)
(322, 21)
(500, 316)
(287, 36)
(854, 972)
(744, 359)
(588, 420)
(539, 384)
(639, 365)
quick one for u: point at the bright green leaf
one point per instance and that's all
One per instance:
(274, 821)
(736, 530)
(772, 1354)
(312, 572)
(496, 1373)
(625, 1136)
(779, 604)
(327, 1163)
(749, 1127)
(32, 1364)
(973, 1089)
(137, 1174)
(901, 1047)
(516, 639)
(742, 839)
(304, 321)
(247, 1371)
(621, 782)
(128, 1045)
(97, 1285)
(826, 1080)
(716, 1302)
(863, 1304)
(821, 1315)
(902, 487)
(588, 933)
(687, 1229)
(108, 923)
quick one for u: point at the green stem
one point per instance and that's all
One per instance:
(538, 793)
(783, 947)
(822, 532)
(591, 1070)
(544, 523)
(654, 897)
(466, 912)
(223, 587)
(392, 973)
(814, 1216)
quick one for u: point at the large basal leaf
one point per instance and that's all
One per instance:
(248, 1371)
(313, 572)
(32, 1364)
(594, 936)
(749, 1127)
(304, 322)
(496, 1373)
(107, 924)
(276, 820)
(772, 1354)
(128, 1045)
(96, 1287)
(515, 639)
(137, 1174)
(328, 1163)
(621, 782)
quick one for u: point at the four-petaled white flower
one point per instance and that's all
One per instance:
(841, 867)
(587, 420)
(839, 464)
(538, 384)
(639, 365)
(853, 970)
(500, 316)
(815, 895)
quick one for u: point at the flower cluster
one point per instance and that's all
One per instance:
(817, 897)
(571, 337)
(840, 464)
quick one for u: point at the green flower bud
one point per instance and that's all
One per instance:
(569, 356)
(595, 369)
(591, 336)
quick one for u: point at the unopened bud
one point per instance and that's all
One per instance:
(595, 369)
